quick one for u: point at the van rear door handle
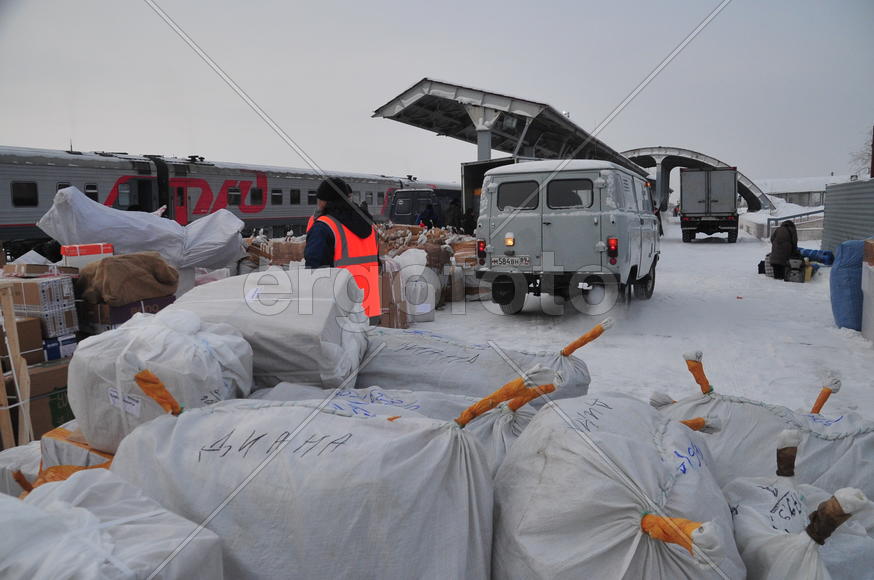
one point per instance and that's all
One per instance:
(547, 223)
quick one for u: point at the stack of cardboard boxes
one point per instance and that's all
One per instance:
(394, 307)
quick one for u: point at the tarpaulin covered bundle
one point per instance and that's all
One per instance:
(845, 284)
(95, 525)
(23, 459)
(336, 495)
(836, 451)
(305, 326)
(823, 256)
(120, 280)
(605, 487)
(66, 445)
(420, 360)
(770, 521)
(212, 241)
(199, 362)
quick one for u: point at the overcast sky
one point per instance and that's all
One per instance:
(783, 88)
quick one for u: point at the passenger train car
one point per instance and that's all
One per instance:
(279, 199)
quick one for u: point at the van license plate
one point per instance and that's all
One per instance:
(511, 260)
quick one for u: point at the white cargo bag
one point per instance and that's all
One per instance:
(835, 451)
(24, 458)
(305, 326)
(212, 241)
(573, 490)
(425, 361)
(95, 525)
(66, 445)
(335, 495)
(199, 363)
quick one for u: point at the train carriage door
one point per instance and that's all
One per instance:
(145, 196)
(180, 204)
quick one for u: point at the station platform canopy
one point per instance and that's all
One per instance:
(494, 121)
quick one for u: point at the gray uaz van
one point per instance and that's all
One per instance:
(564, 227)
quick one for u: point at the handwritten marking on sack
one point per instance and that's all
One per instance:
(587, 420)
(130, 404)
(316, 444)
(826, 421)
(355, 403)
(114, 397)
(690, 458)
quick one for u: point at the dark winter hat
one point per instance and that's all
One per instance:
(332, 188)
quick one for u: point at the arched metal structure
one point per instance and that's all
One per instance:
(664, 159)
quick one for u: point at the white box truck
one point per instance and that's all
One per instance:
(708, 202)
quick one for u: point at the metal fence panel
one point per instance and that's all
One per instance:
(849, 213)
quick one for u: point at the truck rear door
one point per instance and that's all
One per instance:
(570, 223)
(694, 192)
(723, 191)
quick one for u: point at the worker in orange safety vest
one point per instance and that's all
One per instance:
(338, 236)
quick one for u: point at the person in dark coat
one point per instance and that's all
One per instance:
(453, 215)
(428, 217)
(333, 200)
(784, 245)
(468, 223)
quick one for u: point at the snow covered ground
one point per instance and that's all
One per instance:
(762, 338)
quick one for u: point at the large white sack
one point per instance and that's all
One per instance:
(95, 525)
(425, 361)
(24, 458)
(211, 241)
(573, 489)
(770, 517)
(199, 363)
(342, 496)
(305, 326)
(835, 451)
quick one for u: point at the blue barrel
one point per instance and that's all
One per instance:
(845, 283)
(821, 256)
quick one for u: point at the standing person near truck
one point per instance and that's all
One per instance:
(341, 237)
(428, 218)
(453, 215)
(784, 245)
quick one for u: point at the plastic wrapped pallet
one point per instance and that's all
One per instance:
(336, 495)
(212, 241)
(95, 525)
(24, 459)
(771, 516)
(199, 362)
(66, 445)
(456, 367)
(593, 481)
(305, 326)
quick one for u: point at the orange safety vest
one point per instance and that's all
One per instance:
(310, 222)
(361, 257)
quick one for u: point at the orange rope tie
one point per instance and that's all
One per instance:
(823, 396)
(671, 530)
(695, 424)
(154, 388)
(697, 370)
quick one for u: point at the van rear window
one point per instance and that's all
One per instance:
(518, 195)
(569, 193)
(403, 206)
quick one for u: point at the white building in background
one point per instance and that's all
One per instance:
(806, 191)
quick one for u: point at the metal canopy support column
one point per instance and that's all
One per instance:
(483, 121)
(663, 185)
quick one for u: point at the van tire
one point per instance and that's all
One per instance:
(688, 236)
(732, 237)
(644, 287)
(515, 306)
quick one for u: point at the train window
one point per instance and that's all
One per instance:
(275, 197)
(256, 196)
(311, 197)
(62, 185)
(233, 196)
(356, 195)
(369, 198)
(91, 191)
(24, 194)
(294, 196)
(124, 195)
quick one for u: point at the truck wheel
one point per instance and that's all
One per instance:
(515, 305)
(688, 236)
(644, 287)
(732, 237)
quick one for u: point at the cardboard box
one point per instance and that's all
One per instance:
(29, 341)
(97, 318)
(868, 249)
(282, 252)
(60, 347)
(48, 396)
(394, 310)
(81, 254)
(41, 294)
(38, 270)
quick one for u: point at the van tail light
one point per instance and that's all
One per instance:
(612, 247)
(481, 251)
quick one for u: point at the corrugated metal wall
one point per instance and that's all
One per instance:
(849, 213)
